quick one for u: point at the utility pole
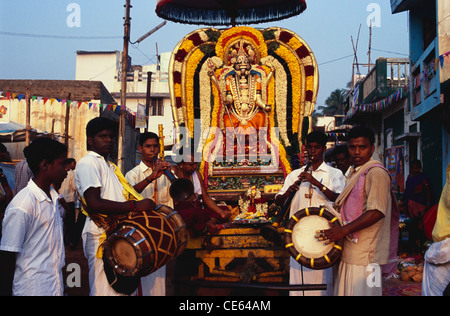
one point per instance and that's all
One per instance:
(66, 122)
(123, 96)
(148, 99)
(370, 46)
(28, 116)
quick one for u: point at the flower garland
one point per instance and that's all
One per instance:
(295, 83)
(191, 67)
(189, 46)
(292, 93)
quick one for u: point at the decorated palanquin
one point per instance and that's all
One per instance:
(245, 95)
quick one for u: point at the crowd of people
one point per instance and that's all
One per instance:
(57, 201)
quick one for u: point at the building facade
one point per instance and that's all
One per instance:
(106, 66)
(61, 108)
(429, 25)
(380, 101)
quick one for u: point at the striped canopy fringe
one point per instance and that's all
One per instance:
(214, 15)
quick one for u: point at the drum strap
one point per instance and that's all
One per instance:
(129, 193)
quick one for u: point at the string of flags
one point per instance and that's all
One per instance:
(332, 134)
(376, 106)
(130, 115)
(440, 60)
(428, 72)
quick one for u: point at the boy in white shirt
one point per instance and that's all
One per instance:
(149, 180)
(32, 247)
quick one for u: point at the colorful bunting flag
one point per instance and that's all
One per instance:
(131, 115)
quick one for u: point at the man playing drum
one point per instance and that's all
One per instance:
(149, 180)
(101, 190)
(370, 220)
(320, 186)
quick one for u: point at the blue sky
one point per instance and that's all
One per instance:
(326, 25)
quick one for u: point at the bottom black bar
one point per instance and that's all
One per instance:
(262, 286)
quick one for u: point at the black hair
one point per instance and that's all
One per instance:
(43, 148)
(341, 149)
(147, 135)
(362, 131)
(69, 161)
(417, 163)
(99, 124)
(317, 137)
(181, 190)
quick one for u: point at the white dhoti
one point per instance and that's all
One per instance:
(310, 277)
(358, 280)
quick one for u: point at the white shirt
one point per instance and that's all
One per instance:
(334, 180)
(93, 171)
(328, 176)
(33, 228)
(155, 283)
(139, 173)
(68, 189)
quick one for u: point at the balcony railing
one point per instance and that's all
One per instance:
(388, 75)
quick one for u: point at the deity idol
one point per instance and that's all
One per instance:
(245, 110)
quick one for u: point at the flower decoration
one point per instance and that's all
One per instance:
(291, 92)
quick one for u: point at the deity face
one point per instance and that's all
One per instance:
(242, 64)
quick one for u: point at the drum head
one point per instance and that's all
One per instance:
(303, 246)
(304, 240)
(124, 254)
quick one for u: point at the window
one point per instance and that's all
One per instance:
(157, 107)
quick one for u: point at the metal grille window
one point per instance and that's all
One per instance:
(157, 107)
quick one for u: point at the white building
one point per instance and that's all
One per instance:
(106, 66)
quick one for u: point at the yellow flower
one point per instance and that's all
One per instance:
(177, 88)
(191, 67)
(297, 89)
(187, 45)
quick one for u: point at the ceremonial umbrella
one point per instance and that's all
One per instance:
(228, 12)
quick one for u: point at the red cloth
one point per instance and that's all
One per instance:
(194, 217)
(429, 220)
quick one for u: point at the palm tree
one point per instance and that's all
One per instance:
(335, 103)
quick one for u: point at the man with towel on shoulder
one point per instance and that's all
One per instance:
(370, 221)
